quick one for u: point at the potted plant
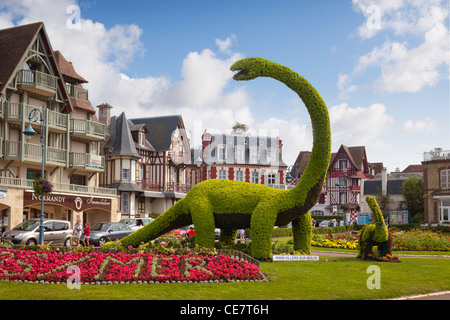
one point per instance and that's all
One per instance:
(42, 187)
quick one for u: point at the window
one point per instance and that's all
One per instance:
(271, 178)
(141, 138)
(125, 174)
(255, 177)
(33, 174)
(445, 179)
(221, 153)
(222, 174)
(271, 157)
(125, 200)
(342, 164)
(239, 175)
(239, 154)
(77, 179)
(254, 155)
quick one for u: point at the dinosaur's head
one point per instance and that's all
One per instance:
(249, 68)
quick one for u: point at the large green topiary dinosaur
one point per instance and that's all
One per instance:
(375, 234)
(232, 205)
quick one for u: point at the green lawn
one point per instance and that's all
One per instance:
(330, 278)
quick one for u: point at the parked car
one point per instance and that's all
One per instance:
(136, 223)
(103, 232)
(186, 232)
(324, 223)
(27, 232)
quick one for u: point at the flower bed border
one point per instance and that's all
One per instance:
(58, 274)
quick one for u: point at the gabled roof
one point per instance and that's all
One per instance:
(15, 43)
(300, 163)
(356, 155)
(160, 130)
(67, 68)
(120, 138)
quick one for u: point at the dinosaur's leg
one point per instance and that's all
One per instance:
(261, 226)
(301, 229)
(203, 220)
(227, 236)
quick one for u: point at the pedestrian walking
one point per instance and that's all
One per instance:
(86, 234)
(77, 229)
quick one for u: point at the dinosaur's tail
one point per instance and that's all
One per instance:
(175, 217)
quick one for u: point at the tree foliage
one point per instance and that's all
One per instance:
(412, 191)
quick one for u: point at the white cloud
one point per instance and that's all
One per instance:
(404, 67)
(225, 45)
(419, 126)
(360, 126)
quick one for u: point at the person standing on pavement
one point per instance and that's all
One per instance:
(87, 234)
(77, 229)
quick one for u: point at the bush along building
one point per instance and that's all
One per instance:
(40, 90)
(341, 193)
(247, 158)
(147, 161)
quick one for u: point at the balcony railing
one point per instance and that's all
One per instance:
(87, 129)
(77, 92)
(147, 185)
(437, 154)
(177, 187)
(18, 112)
(86, 161)
(26, 183)
(37, 81)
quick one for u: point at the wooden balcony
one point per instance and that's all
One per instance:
(87, 129)
(86, 161)
(177, 187)
(37, 82)
(19, 112)
(147, 185)
(77, 92)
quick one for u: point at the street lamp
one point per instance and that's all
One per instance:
(35, 115)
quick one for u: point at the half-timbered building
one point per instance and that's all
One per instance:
(36, 80)
(341, 193)
(146, 160)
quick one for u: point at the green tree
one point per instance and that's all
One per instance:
(412, 191)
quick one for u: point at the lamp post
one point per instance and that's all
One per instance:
(35, 115)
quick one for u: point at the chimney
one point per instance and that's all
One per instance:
(104, 116)
(383, 181)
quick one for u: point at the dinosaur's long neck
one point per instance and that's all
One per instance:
(313, 176)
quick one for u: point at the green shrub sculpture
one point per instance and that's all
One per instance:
(233, 205)
(375, 240)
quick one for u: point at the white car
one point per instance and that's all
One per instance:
(324, 223)
(136, 223)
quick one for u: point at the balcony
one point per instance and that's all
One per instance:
(25, 183)
(77, 92)
(33, 153)
(87, 129)
(437, 154)
(86, 161)
(147, 185)
(18, 113)
(177, 187)
(37, 82)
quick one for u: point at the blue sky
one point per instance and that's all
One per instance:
(382, 67)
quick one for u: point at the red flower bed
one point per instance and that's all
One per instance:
(52, 266)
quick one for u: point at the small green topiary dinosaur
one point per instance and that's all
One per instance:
(232, 205)
(374, 234)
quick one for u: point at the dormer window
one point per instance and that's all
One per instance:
(254, 154)
(221, 153)
(271, 155)
(142, 138)
(239, 154)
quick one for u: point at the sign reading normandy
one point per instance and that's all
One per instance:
(74, 202)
